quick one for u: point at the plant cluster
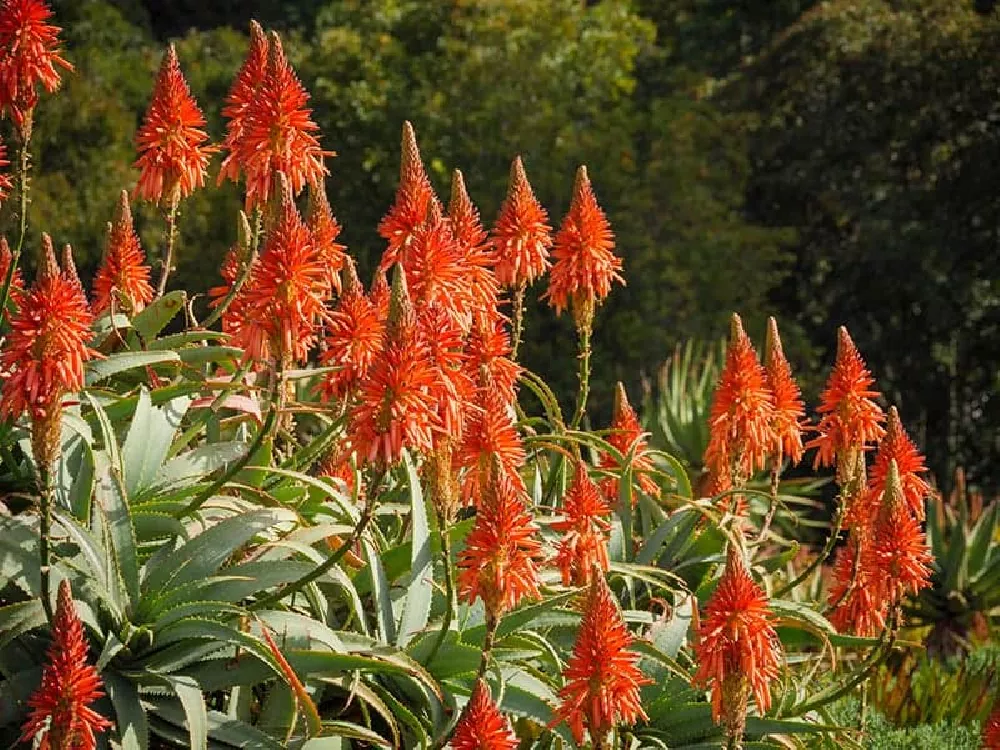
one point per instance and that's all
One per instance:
(331, 521)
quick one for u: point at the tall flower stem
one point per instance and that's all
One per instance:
(772, 507)
(23, 166)
(586, 330)
(449, 589)
(517, 319)
(45, 531)
(247, 265)
(168, 260)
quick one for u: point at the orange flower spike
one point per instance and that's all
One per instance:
(500, 561)
(243, 91)
(173, 156)
(285, 299)
(325, 230)
(61, 716)
(585, 531)
(897, 446)
(278, 134)
(850, 417)
(522, 235)
(6, 181)
(625, 433)
(585, 264)
(737, 650)
(490, 443)
(29, 55)
(859, 602)
(602, 675)
(454, 388)
(436, 272)
(380, 294)
(488, 349)
(991, 729)
(17, 280)
(740, 434)
(482, 726)
(396, 406)
(355, 337)
(414, 197)
(480, 257)
(789, 409)
(124, 268)
(899, 546)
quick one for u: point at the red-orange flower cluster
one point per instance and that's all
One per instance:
(414, 197)
(522, 235)
(29, 55)
(478, 254)
(173, 156)
(627, 436)
(243, 91)
(857, 601)
(277, 134)
(490, 444)
(789, 410)
(585, 263)
(991, 730)
(737, 647)
(435, 267)
(17, 280)
(482, 726)
(61, 716)
(499, 562)
(325, 230)
(124, 269)
(583, 547)
(602, 676)
(897, 446)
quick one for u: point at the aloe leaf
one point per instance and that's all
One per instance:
(100, 369)
(417, 608)
(130, 716)
(155, 317)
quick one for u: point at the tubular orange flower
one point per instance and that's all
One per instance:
(737, 649)
(355, 336)
(414, 197)
(480, 258)
(325, 230)
(6, 181)
(61, 716)
(435, 268)
(29, 54)
(859, 605)
(243, 91)
(851, 418)
(897, 446)
(585, 530)
(740, 434)
(172, 155)
(488, 360)
(991, 729)
(278, 134)
(380, 293)
(283, 301)
(602, 676)
(124, 268)
(17, 281)
(499, 562)
(585, 263)
(454, 387)
(47, 345)
(522, 235)
(789, 410)
(482, 726)
(490, 443)
(625, 433)
(899, 546)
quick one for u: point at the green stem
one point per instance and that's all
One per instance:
(449, 590)
(22, 174)
(517, 322)
(874, 661)
(818, 560)
(366, 517)
(218, 312)
(584, 374)
(773, 504)
(45, 566)
(168, 260)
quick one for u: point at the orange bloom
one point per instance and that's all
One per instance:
(325, 230)
(435, 268)
(991, 730)
(521, 236)
(482, 726)
(241, 95)
(397, 406)
(499, 562)
(278, 134)
(851, 418)
(6, 181)
(488, 360)
(602, 676)
(737, 649)
(454, 386)
(355, 336)
(860, 606)
(172, 158)
(490, 442)
(479, 255)
(789, 410)
(585, 531)
(585, 263)
(414, 197)
(625, 433)
(897, 446)
(29, 54)
(17, 280)
(124, 268)
(740, 435)
(61, 716)
(380, 293)
(899, 547)
(283, 301)
(44, 354)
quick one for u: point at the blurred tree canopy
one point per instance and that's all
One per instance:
(830, 163)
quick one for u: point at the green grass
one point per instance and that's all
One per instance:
(881, 735)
